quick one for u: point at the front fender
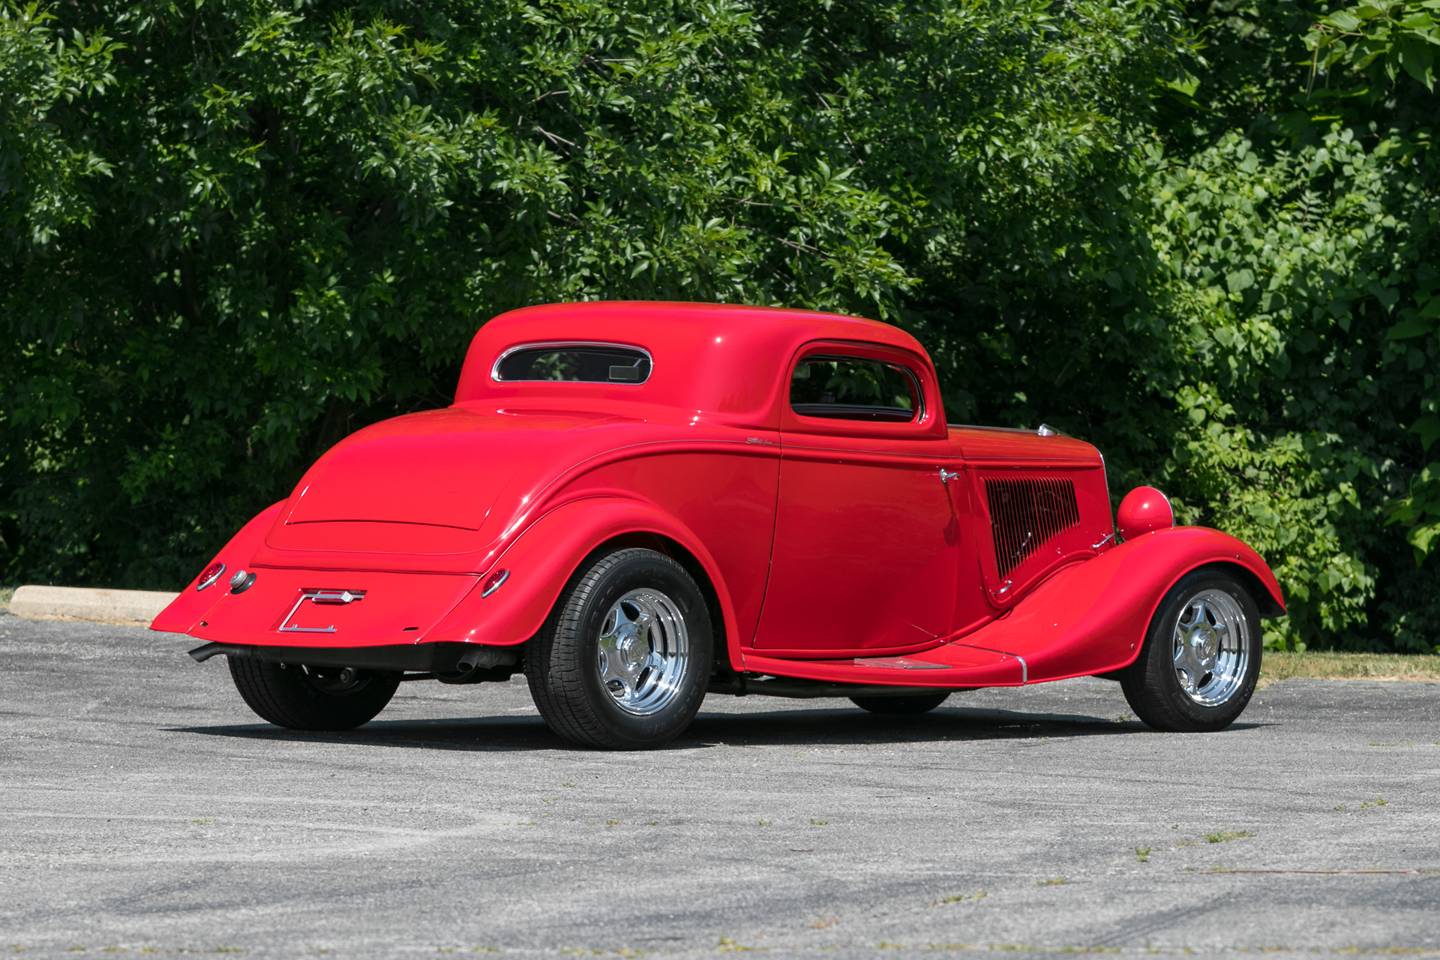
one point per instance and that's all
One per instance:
(1091, 617)
(547, 554)
(186, 610)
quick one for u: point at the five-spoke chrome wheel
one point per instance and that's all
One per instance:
(1211, 647)
(1201, 657)
(625, 658)
(643, 652)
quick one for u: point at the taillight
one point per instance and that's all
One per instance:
(209, 575)
(494, 582)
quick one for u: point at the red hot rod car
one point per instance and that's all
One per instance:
(639, 503)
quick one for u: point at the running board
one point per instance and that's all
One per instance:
(951, 666)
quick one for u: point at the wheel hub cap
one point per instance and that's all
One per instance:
(633, 650)
(1206, 643)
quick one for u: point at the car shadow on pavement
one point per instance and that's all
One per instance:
(850, 726)
(787, 727)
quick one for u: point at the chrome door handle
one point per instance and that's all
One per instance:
(947, 475)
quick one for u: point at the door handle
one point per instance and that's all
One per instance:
(947, 475)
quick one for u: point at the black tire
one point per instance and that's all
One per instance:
(911, 705)
(312, 698)
(1152, 684)
(562, 660)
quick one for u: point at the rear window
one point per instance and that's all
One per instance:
(852, 388)
(574, 362)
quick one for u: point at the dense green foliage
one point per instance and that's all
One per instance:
(1202, 236)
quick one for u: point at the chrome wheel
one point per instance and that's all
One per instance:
(1211, 649)
(623, 662)
(644, 651)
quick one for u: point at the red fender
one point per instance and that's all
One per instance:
(544, 557)
(185, 611)
(1091, 617)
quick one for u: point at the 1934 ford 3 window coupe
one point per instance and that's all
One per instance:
(639, 503)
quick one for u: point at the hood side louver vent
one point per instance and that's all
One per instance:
(1026, 513)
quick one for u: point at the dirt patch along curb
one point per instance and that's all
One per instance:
(89, 603)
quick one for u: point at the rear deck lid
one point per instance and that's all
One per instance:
(428, 468)
(426, 483)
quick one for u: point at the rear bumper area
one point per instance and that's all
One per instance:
(320, 609)
(440, 659)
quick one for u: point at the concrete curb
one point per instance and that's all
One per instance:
(88, 603)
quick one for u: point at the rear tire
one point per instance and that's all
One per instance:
(911, 705)
(312, 698)
(624, 659)
(1197, 670)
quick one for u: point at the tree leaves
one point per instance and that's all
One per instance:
(233, 233)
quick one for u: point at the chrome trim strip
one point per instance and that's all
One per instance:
(560, 344)
(1024, 667)
(335, 596)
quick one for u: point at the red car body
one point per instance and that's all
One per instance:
(840, 551)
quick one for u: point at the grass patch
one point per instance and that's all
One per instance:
(727, 945)
(1280, 665)
(1225, 836)
(5, 594)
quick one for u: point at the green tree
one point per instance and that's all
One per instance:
(1200, 235)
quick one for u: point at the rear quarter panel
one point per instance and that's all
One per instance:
(714, 498)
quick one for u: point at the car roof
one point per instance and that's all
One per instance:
(641, 317)
(707, 356)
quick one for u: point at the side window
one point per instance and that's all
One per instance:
(854, 388)
(583, 362)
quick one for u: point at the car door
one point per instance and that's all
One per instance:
(864, 554)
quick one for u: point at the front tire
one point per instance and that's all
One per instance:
(312, 698)
(1201, 659)
(624, 659)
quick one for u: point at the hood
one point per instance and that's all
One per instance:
(980, 445)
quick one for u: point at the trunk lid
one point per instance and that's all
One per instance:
(428, 468)
(425, 483)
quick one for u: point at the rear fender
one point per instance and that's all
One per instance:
(541, 561)
(1091, 617)
(185, 611)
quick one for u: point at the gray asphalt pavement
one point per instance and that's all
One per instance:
(145, 811)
